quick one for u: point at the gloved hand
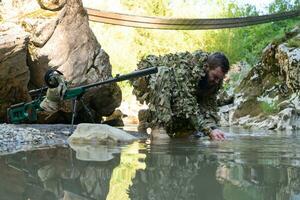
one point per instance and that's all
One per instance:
(54, 95)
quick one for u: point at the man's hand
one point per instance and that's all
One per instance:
(217, 134)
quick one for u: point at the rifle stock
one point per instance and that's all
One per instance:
(24, 111)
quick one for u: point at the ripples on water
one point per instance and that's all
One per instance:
(248, 165)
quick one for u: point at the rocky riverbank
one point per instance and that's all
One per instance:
(15, 138)
(268, 97)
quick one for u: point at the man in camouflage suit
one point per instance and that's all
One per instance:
(182, 95)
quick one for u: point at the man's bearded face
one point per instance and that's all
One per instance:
(215, 76)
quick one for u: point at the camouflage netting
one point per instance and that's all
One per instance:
(172, 96)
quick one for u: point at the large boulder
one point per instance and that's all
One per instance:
(14, 72)
(60, 38)
(268, 97)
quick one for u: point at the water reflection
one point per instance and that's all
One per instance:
(54, 174)
(176, 171)
(122, 176)
(90, 152)
(243, 167)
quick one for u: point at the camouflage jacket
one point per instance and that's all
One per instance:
(172, 95)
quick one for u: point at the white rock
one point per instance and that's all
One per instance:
(289, 119)
(99, 134)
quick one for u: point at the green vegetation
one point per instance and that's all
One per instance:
(126, 46)
(246, 44)
(269, 108)
(294, 43)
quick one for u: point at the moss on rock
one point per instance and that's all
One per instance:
(249, 107)
(294, 43)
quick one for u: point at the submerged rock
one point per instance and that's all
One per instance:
(99, 134)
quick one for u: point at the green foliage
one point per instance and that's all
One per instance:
(282, 5)
(247, 43)
(269, 108)
(238, 44)
(294, 43)
(153, 7)
(127, 46)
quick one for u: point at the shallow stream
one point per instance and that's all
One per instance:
(248, 165)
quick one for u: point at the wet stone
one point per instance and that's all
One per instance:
(15, 138)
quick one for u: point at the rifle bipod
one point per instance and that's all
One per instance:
(74, 112)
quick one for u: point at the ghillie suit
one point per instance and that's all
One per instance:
(177, 95)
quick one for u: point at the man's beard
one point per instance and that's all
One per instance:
(203, 83)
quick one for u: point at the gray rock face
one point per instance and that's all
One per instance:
(14, 72)
(289, 60)
(269, 96)
(66, 42)
(60, 38)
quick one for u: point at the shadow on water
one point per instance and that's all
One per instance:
(246, 166)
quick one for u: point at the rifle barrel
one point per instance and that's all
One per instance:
(135, 74)
(31, 92)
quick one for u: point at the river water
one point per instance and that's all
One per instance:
(247, 165)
